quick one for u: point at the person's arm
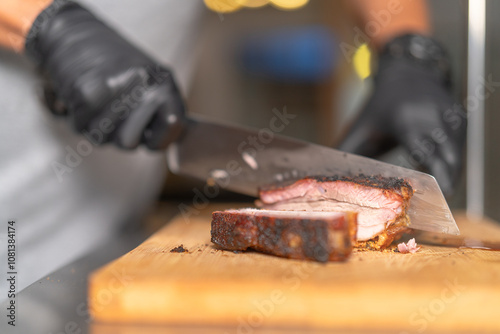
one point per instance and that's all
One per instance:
(411, 104)
(110, 91)
(391, 18)
(16, 19)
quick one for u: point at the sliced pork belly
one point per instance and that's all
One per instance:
(319, 236)
(381, 203)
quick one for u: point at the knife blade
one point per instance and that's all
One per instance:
(243, 160)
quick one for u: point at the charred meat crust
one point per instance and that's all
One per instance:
(297, 238)
(179, 249)
(376, 181)
(398, 185)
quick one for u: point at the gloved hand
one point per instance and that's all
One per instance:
(110, 90)
(412, 106)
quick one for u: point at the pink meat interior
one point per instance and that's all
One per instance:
(377, 207)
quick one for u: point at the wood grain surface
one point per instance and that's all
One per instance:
(436, 289)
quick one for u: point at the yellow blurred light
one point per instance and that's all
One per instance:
(253, 3)
(361, 61)
(223, 6)
(289, 4)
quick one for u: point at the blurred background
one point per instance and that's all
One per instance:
(254, 56)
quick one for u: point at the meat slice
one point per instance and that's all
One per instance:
(381, 203)
(320, 236)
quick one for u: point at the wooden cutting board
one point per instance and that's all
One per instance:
(436, 289)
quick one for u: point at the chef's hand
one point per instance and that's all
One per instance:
(412, 106)
(110, 91)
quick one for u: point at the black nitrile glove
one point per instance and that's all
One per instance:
(111, 91)
(412, 106)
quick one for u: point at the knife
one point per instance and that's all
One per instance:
(243, 160)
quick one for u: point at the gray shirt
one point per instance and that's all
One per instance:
(66, 195)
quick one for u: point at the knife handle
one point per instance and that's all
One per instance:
(160, 116)
(157, 121)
